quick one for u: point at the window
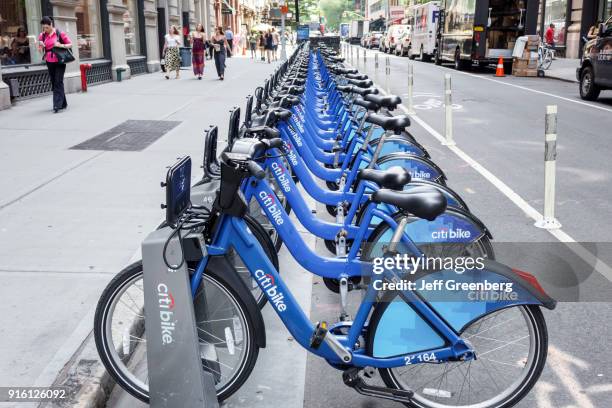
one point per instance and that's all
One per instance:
(130, 28)
(89, 33)
(555, 13)
(19, 28)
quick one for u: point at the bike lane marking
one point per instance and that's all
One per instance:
(519, 201)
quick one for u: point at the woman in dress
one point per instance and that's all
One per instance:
(198, 48)
(171, 52)
(220, 45)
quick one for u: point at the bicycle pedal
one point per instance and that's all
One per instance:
(318, 335)
(352, 379)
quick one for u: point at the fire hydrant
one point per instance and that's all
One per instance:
(84, 69)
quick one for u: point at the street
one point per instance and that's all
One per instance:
(70, 219)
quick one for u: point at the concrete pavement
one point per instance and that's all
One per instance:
(563, 69)
(71, 219)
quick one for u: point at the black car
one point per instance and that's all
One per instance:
(595, 71)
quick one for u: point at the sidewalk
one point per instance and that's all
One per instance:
(71, 219)
(563, 69)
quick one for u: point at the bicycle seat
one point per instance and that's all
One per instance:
(359, 77)
(342, 70)
(390, 101)
(394, 178)
(364, 91)
(371, 106)
(361, 84)
(344, 88)
(292, 89)
(423, 202)
(394, 123)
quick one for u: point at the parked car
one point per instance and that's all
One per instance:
(404, 44)
(374, 40)
(393, 35)
(595, 71)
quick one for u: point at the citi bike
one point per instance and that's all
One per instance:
(466, 352)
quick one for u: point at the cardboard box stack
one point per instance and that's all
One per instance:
(527, 64)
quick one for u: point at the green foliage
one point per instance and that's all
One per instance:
(333, 11)
(307, 9)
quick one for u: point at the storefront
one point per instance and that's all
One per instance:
(19, 28)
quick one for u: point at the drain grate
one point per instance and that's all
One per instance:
(129, 136)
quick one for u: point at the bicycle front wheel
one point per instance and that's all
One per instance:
(228, 348)
(511, 346)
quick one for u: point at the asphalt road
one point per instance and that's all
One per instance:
(499, 124)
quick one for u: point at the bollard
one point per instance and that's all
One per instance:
(376, 60)
(448, 107)
(364, 57)
(410, 85)
(357, 55)
(387, 73)
(550, 164)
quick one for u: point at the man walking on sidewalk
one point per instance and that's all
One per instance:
(229, 36)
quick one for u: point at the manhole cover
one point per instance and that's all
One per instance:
(130, 136)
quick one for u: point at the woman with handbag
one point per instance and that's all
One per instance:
(57, 54)
(172, 56)
(220, 45)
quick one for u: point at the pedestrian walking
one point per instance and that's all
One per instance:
(51, 40)
(220, 45)
(253, 44)
(275, 42)
(261, 39)
(229, 36)
(171, 52)
(269, 45)
(198, 42)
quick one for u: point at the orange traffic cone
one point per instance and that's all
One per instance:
(499, 72)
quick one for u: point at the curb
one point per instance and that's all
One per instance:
(85, 376)
(571, 81)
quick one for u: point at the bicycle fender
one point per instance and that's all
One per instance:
(220, 268)
(459, 308)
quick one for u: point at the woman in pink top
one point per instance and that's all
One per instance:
(49, 39)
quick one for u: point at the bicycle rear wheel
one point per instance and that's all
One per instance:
(228, 346)
(510, 357)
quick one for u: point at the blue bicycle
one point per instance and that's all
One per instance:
(469, 349)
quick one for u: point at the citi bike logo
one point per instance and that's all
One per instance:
(291, 154)
(299, 125)
(420, 174)
(446, 233)
(281, 176)
(165, 302)
(269, 200)
(274, 294)
(296, 137)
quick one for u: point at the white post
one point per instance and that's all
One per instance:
(387, 73)
(550, 164)
(364, 58)
(357, 62)
(448, 107)
(376, 60)
(410, 85)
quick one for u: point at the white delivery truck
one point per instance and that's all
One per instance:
(426, 17)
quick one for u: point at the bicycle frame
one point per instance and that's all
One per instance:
(233, 233)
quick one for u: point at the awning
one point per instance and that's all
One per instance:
(226, 8)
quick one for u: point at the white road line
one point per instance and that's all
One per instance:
(524, 88)
(596, 263)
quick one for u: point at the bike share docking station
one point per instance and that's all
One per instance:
(176, 376)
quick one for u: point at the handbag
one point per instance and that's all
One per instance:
(64, 55)
(217, 47)
(162, 64)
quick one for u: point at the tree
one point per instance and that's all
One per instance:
(307, 8)
(333, 10)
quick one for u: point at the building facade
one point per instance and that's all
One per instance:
(118, 38)
(572, 19)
